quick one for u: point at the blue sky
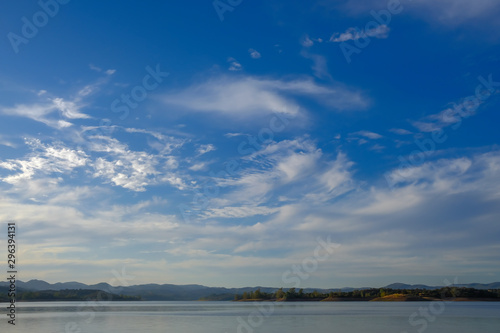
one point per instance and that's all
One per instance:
(220, 143)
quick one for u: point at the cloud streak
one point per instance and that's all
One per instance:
(247, 96)
(381, 32)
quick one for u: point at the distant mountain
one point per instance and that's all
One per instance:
(494, 285)
(146, 291)
(409, 286)
(63, 295)
(191, 292)
(33, 285)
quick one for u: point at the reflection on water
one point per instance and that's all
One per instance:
(207, 317)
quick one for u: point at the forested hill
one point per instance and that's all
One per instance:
(64, 295)
(373, 294)
(171, 292)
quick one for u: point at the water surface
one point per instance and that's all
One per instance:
(268, 317)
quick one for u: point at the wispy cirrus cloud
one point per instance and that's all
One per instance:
(400, 131)
(254, 54)
(48, 113)
(480, 15)
(376, 220)
(457, 12)
(203, 149)
(133, 170)
(368, 134)
(44, 159)
(292, 163)
(306, 41)
(164, 144)
(363, 137)
(57, 112)
(234, 65)
(454, 114)
(6, 142)
(105, 158)
(245, 96)
(320, 66)
(381, 32)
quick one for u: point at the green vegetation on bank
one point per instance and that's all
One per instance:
(382, 294)
(65, 295)
(290, 295)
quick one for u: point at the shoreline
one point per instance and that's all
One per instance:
(379, 299)
(458, 299)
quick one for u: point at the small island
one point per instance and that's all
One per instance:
(373, 295)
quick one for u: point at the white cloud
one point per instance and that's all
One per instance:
(254, 54)
(430, 171)
(44, 160)
(52, 191)
(248, 96)
(362, 141)
(426, 126)
(106, 158)
(69, 109)
(381, 31)
(6, 143)
(457, 12)
(94, 87)
(400, 131)
(50, 113)
(298, 164)
(307, 42)
(455, 114)
(319, 67)
(234, 65)
(203, 149)
(164, 145)
(197, 167)
(239, 212)
(377, 147)
(98, 69)
(379, 228)
(368, 134)
(274, 167)
(232, 135)
(479, 15)
(133, 170)
(95, 68)
(334, 181)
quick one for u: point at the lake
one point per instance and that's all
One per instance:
(229, 317)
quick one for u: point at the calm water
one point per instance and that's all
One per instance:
(221, 317)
